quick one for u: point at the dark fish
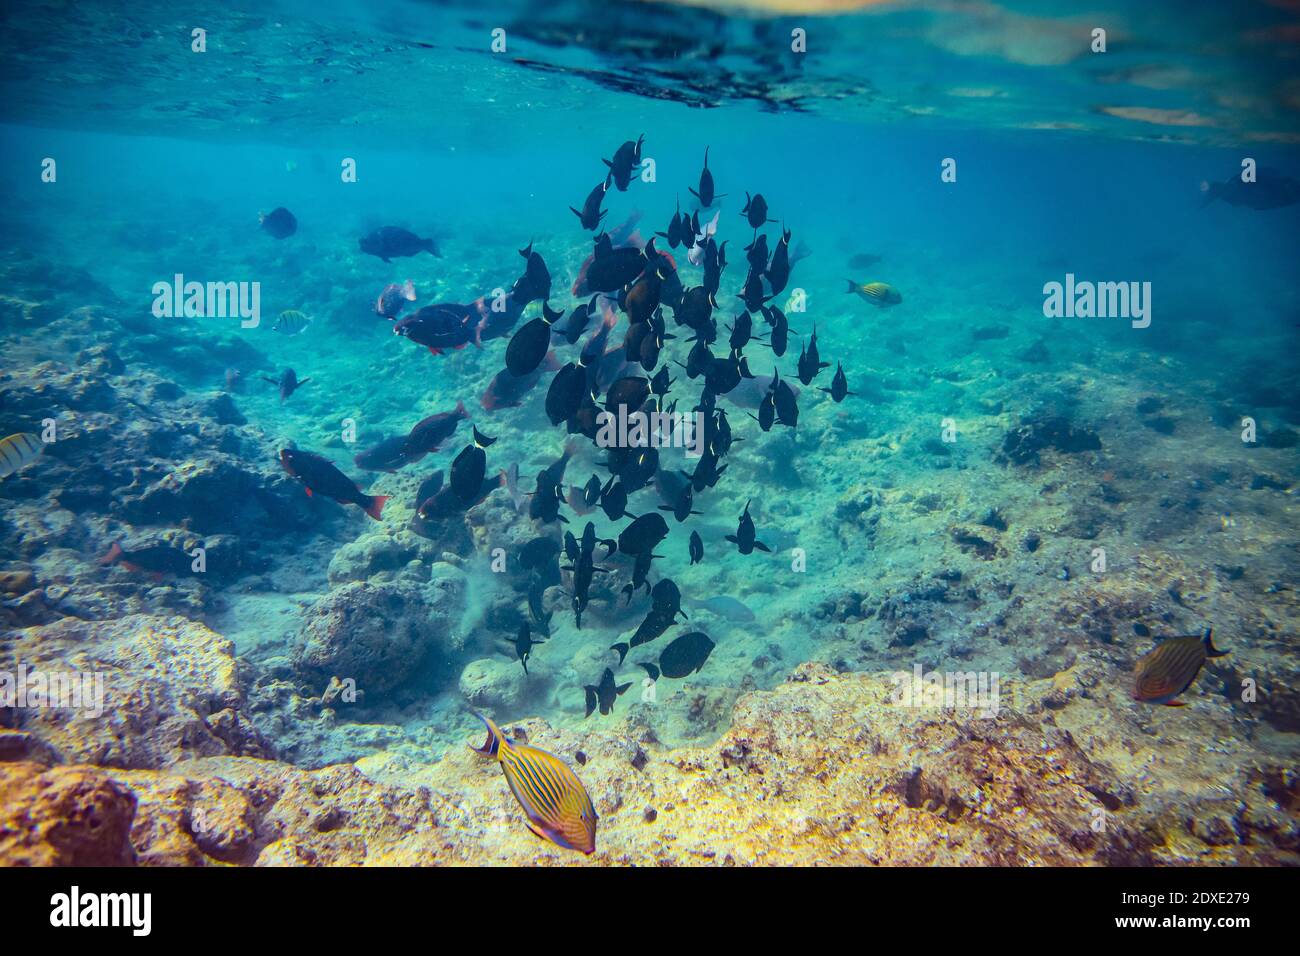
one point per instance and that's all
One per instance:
(604, 694)
(810, 363)
(753, 293)
(389, 455)
(630, 391)
(505, 390)
(755, 210)
(715, 261)
(684, 656)
(394, 298)
(583, 499)
(388, 241)
(785, 402)
(678, 226)
(279, 222)
(696, 309)
(469, 468)
(696, 548)
(592, 214)
(640, 573)
(627, 157)
(666, 599)
(613, 500)
(705, 194)
(742, 330)
(724, 374)
(756, 254)
(744, 539)
(766, 416)
(1169, 668)
(546, 500)
(650, 629)
(839, 385)
(566, 392)
(613, 269)
(445, 503)
(157, 559)
(320, 476)
(524, 645)
(579, 320)
(779, 337)
(707, 472)
(1271, 190)
(429, 487)
(287, 383)
(428, 434)
(681, 506)
(554, 800)
(778, 271)
(441, 327)
(538, 553)
(643, 534)
(528, 346)
(535, 283)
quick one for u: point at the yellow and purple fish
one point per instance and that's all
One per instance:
(554, 800)
(877, 293)
(1169, 668)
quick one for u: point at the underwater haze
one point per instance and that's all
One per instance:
(987, 549)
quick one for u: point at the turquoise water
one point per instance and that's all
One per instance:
(1066, 162)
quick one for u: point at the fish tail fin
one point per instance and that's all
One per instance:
(375, 505)
(114, 554)
(621, 689)
(461, 411)
(492, 746)
(431, 247)
(1210, 649)
(652, 670)
(591, 700)
(853, 287)
(622, 650)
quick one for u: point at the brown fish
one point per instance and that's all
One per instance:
(1169, 668)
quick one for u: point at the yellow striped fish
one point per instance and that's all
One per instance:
(1169, 668)
(291, 322)
(877, 293)
(18, 451)
(554, 799)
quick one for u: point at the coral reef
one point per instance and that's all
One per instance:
(826, 768)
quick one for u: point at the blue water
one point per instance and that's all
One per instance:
(166, 157)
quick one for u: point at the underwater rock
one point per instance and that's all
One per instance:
(378, 635)
(1024, 443)
(64, 816)
(170, 692)
(378, 553)
(502, 686)
(823, 769)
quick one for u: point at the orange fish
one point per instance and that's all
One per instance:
(554, 799)
(1169, 668)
